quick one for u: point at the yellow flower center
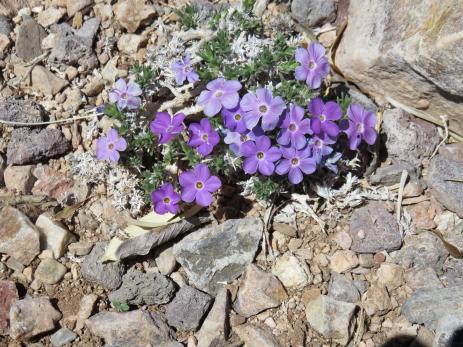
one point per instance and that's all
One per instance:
(111, 146)
(205, 137)
(263, 108)
(311, 65)
(260, 155)
(237, 117)
(199, 185)
(218, 94)
(166, 200)
(294, 161)
(292, 127)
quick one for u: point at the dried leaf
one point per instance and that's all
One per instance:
(69, 211)
(453, 250)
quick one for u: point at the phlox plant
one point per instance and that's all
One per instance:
(252, 132)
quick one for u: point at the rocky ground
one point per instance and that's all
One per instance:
(375, 262)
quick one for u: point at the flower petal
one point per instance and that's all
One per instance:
(189, 193)
(300, 73)
(283, 167)
(202, 172)
(266, 167)
(369, 136)
(213, 184)
(250, 164)
(295, 176)
(120, 85)
(316, 107)
(248, 149)
(332, 111)
(273, 154)
(134, 89)
(187, 178)
(302, 56)
(212, 107)
(230, 100)
(203, 198)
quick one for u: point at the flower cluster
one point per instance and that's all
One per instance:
(270, 135)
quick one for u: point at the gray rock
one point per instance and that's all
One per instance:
(331, 318)
(88, 30)
(447, 192)
(50, 271)
(188, 308)
(139, 288)
(5, 25)
(258, 291)
(408, 139)
(62, 336)
(32, 146)
(448, 330)
(424, 250)
(422, 277)
(29, 40)
(427, 306)
(74, 48)
(399, 57)
(452, 151)
(196, 250)
(18, 236)
(14, 110)
(389, 175)
(453, 272)
(313, 13)
(166, 261)
(343, 289)
(137, 328)
(373, 229)
(362, 286)
(291, 271)
(256, 335)
(214, 330)
(109, 275)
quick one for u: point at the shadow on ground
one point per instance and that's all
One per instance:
(407, 341)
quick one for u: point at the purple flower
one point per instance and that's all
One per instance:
(236, 139)
(294, 163)
(319, 144)
(262, 105)
(314, 65)
(323, 116)
(220, 93)
(109, 146)
(234, 119)
(260, 156)
(165, 199)
(203, 137)
(361, 126)
(294, 127)
(126, 95)
(167, 127)
(198, 185)
(184, 71)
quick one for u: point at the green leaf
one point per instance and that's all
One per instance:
(121, 307)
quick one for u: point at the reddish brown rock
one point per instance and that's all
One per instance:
(133, 13)
(19, 179)
(423, 215)
(51, 182)
(8, 295)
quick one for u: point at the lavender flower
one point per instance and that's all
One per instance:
(203, 137)
(198, 185)
(323, 116)
(294, 127)
(165, 199)
(167, 127)
(361, 126)
(319, 145)
(314, 65)
(236, 139)
(109, 146)
(220, 93)
(234, 119)
(184, 71)
(295, 163)
(262, 105)
(260, 156)
(126, 95)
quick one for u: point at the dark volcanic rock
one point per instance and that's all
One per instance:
(14, 110)
(32, 146)
(373, 229)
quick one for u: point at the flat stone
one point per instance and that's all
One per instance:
(398, 59)
(188, 308)
(89, 30)
(292, 272)
(32, 316)
(131, 43)
(29, 39)
(16, 110)
(258, 291)
(14, 265)
(424, 250)
(314, 13)
(343, 261)
(449, 330)
(46, 81)
(73, 6)
(447, 192)
(19, 179)
(423, 214)
(31, 146)
(166, 261)
(53, 235)
(139, 288)
(389, 175)
(331, 318)
(422, 277)
(5, 25)
(376, 300)
(214, 329)
(18, 236)
(109, 275)
(80, 248)
(452, 151)
(87, 303)
(373, 229)
(50, 16)
(195, 251)
(52, 183)
(131, 14)
(391, 275)
(134, 328)
(343, 289)
(8, 296)
(62, 336)
(256, 335)
(427, 306)
(50, 271)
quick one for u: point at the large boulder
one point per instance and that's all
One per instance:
(408, 50)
